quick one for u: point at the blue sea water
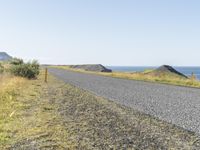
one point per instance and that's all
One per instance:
(185, 70)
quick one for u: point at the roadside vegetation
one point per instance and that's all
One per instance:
(9, 106)
(1, 68)
(28, 70)
(147, 75)
(18, 67)
(14, 77)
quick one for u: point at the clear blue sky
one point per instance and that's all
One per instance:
(110, 32)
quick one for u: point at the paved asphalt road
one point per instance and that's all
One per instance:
(178, 105)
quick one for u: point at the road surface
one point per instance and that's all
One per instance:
(174, 104)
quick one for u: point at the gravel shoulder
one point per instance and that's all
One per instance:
(174, 104)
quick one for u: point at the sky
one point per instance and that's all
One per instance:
(108, 32)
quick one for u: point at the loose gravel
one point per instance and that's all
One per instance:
(174, 104)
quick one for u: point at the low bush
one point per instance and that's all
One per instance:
(28, 70)
(16, 61)
(1, 68)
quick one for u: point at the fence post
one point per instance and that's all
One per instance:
(193, 76)
(46, 72)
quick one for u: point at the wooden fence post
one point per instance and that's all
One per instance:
(46, 73)
(193, 76)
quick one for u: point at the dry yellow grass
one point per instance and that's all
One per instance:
(165, 78)
(9, 89)
(8, 82)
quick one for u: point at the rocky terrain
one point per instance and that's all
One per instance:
(4, 56)
(91, 67)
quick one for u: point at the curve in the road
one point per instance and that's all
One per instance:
(174, 104)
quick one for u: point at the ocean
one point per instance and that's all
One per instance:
(185, 70)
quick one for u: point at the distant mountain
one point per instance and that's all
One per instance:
(4, 56)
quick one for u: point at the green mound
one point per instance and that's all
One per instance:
(166, 70)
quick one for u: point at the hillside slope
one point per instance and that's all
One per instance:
(4, 56)
(167, 70)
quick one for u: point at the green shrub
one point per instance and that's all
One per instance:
(28, 70)
(17, 61)
(1, 68)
